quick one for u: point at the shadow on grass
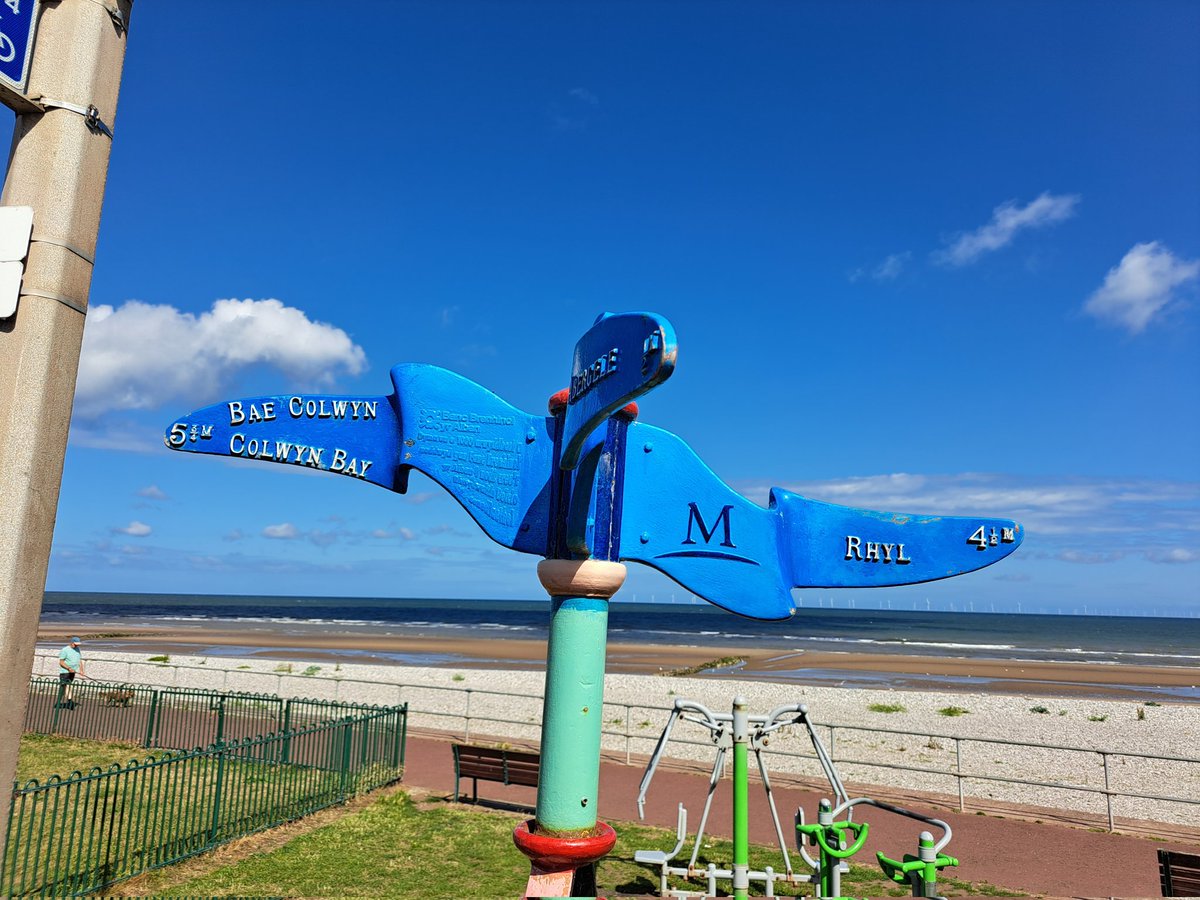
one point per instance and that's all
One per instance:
(487, 803)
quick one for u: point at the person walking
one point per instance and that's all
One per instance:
(70, 664)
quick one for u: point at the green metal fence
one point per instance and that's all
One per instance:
(170, 718)
(78, 834)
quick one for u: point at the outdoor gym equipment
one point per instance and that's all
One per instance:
(838, 841)
(920, 871)
(588, 487)
(831, 837)
(741, 732)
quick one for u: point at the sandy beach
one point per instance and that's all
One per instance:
(883, 670)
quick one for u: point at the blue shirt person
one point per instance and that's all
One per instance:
(70, 664)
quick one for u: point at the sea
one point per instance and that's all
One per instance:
(1113, 640)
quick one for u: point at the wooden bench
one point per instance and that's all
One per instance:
(1179, 873)
(493, 764)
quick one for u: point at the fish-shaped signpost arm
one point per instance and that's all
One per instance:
(344, 435)
(681, 519)
(491, 457)
(832, 546)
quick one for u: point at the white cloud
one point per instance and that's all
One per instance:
(153, 492)
(1177, 555)
(573, 114)
(134, 529)
(1140, 286)
(404, 533)
(285, 531)
(1007, 220)
(888, 270)
(323, 538)
(141, 355)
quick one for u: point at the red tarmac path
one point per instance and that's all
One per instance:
(1050, 860)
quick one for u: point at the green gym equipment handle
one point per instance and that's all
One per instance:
(817, 831)
(898, 871)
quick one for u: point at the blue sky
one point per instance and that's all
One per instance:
(929, 257)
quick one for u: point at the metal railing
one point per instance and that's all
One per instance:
(959, 773)
(77, 834)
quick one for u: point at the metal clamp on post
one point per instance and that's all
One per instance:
(90, 113)
(69, 247)
(68, 302)
(114, 13)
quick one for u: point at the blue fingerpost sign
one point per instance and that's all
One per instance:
(18, 20)
(585, 487)
(588, 482)
(620, 358)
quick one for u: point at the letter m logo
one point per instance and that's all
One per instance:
(694, 518)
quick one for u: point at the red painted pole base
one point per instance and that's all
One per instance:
(562, 867)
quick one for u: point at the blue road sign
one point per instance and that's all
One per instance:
(616, 361)
(18, 21)
(634, 492)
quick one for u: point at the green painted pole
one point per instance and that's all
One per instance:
(565, 840)
(287, 731)
(741, 808)
(222, 752)
(152, 719)
(928, 856)
(572, 715)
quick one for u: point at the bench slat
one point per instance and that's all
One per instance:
(518, 767)
(1179, 873)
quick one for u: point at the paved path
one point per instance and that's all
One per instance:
(1047, 859)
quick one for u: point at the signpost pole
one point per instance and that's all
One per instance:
(58, 166)
(565, 840)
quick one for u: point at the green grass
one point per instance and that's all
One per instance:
(43, 755)
(1039, 709)
(393, 848)
(168, 809)
(953, 711)
(887, 708)
(164, 658)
